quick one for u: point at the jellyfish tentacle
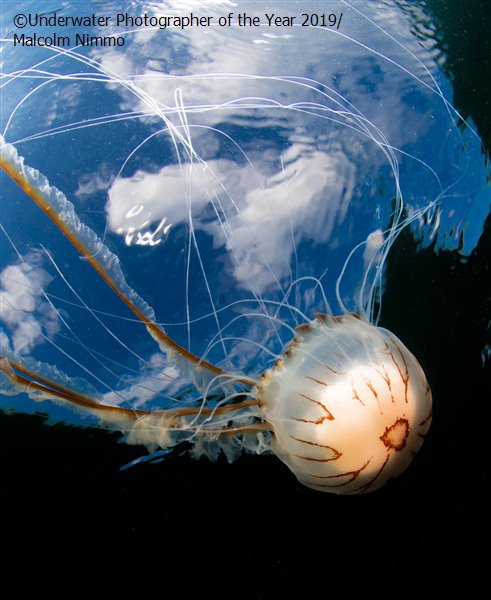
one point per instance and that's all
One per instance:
(35, 384)
(55, 205)
(153, 429)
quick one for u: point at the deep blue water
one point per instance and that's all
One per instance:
(287, 175)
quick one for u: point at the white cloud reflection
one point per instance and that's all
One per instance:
(268, 215)
(299, 190)
(156, 378)
(26, 315)
(314, 126)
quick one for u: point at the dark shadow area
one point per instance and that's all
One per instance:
(67, 504)
(461, 32)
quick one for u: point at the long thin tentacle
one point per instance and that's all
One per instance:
(27, 178)
(26, 379)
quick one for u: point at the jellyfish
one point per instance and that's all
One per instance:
(346, 405)
(281, 193)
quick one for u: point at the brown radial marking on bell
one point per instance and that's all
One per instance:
(404, 376)
(316, 380)
(319, 421)
(355, 394)
(353, 474)
(395, 436)
(365, 486)
(428, 418)
(331, 369)
(424, 421)
(328, 413)
(336, 453)
(310, 458)
(374, 392)
(303, 327)
(322, 317)
(338, 318)
(386, 378)
(355, 315)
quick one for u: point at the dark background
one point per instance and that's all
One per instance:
(249, 530)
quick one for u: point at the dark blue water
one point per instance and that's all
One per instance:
(292, 137)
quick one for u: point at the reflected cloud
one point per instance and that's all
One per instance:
(155, 379)
(99, 180)
(312, 139)
(26, 315)
(63, 101)
(259, 219)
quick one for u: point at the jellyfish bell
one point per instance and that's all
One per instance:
(348, 403)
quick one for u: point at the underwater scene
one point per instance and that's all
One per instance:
(232, 232)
